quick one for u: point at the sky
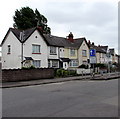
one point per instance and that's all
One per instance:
(96, 20)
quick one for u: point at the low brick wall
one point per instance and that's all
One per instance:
(26, 74)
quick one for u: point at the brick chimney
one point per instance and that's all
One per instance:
(70, 37)
(93, 43)
(98, 45)
(39, 28)
(89, 42)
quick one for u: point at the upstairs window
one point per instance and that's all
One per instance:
(72, 52)
(35, 48)
(84, 53)
(53, 50)
(9, 49)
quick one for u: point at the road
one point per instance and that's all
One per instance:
(65, 99)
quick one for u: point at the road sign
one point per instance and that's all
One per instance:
(92, 56)
(92, 52)
(92, 60)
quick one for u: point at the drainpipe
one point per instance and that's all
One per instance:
(59, 55)
(21, 39)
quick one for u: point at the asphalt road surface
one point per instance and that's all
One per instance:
(65, 99)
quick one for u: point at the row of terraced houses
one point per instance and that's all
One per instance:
(32, 48)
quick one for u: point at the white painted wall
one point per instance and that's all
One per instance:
(56, 56)
(13, 60)
(101, 58)
(37, 41)
(61, 52)
(80, 57)
(83, 71)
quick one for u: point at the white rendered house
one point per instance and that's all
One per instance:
(21, 49)
(31, 47)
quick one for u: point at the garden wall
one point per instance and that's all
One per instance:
(27, 74)
(84, 71)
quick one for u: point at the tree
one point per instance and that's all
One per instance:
(26, 18)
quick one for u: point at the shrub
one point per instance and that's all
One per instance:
(72, 73)
(83, 66)
(65, 73)
(31, 67)
(59, 72)
(100, 65)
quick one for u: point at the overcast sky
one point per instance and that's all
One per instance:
(97, 20)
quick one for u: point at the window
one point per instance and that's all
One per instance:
(49, 64)
(37, 63)
(9, 49)
(53, 50)
(73, 63)
(72, 52)
(35, 48)
(85, 62)
(84, 53)
(55, 64)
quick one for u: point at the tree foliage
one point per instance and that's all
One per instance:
(26, 18)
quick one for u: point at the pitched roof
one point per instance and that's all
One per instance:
(101, 49)
(104, 48)
(63, 42)
(26, 33)
(112, 51)
(49, 39)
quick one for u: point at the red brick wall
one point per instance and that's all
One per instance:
(27, 74)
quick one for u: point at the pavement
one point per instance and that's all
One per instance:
(105, 76)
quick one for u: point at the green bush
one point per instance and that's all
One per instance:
(72, 73)
(83, 66)
(65, 73)
(31, 67)
(59, 72)
(24, 68)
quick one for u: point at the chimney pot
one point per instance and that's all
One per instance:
(89, 42)
(93, 43)
(70, 37)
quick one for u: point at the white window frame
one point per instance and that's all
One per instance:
(36, 48)
(72, 52)
(84, 53)
(73, 63)
(37, 63)
(53, 50)
(56, 65)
